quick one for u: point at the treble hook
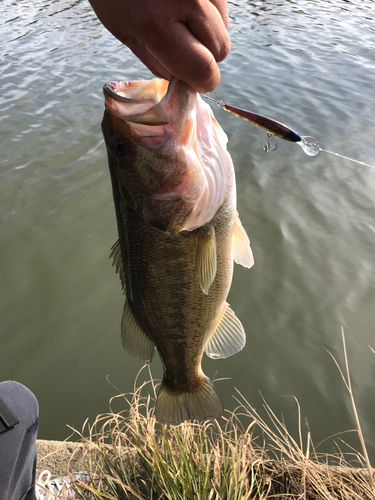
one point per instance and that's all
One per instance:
(267, 147)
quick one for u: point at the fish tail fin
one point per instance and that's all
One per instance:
(174, 407)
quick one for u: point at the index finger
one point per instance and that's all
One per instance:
(207, 25)
(186, 58)
(222, 7)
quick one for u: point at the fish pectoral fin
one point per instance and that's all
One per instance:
(242, 253)
(135, 341)
(118, 263)
(202, 403)
(206, 264)
(228, 337)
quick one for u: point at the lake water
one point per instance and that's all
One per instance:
(311, 221)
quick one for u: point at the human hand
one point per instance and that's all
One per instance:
(183, 38)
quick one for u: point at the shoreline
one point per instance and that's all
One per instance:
(299, 478)
(59, 457)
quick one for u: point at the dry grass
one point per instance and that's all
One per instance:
(134, 457)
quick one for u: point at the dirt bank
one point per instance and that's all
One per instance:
(60, 456)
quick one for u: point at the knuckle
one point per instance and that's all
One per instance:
(224, 50)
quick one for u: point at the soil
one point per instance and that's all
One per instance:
(59, 457)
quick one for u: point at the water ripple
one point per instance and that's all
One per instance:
(309, 64)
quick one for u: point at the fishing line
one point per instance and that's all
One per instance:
(347, 158)
(309, 145)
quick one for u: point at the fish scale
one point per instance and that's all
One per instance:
(159, 292)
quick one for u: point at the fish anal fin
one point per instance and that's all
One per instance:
(228, 337)
(118, 263)
(206, 264)
(134, 339)
(175, 407)
(242, 253)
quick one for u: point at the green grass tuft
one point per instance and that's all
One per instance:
(134, 457)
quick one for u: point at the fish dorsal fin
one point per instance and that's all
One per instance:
(134, 339)
(206, 264)
(118, 263)
(228, 337)
(242, 253)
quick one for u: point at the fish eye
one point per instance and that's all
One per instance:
(119, 146)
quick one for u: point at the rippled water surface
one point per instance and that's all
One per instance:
(310, 64)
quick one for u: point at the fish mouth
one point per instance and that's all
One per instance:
(135, 91)
(138, 101)
(113, 90)
(150, 102)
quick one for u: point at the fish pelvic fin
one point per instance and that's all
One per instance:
(228, 337)
(134, 339)
(174, 407)
(206, 262)
(242, 253)
(118, 263)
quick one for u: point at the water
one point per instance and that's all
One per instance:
(310, 219)
(311, 147)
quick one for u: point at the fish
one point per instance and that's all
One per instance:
(179, 232)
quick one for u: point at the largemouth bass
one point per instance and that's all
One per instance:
(175, 200)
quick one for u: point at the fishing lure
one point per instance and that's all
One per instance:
(309, 144)
(271, 126)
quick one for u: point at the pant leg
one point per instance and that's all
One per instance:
(18, 444)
